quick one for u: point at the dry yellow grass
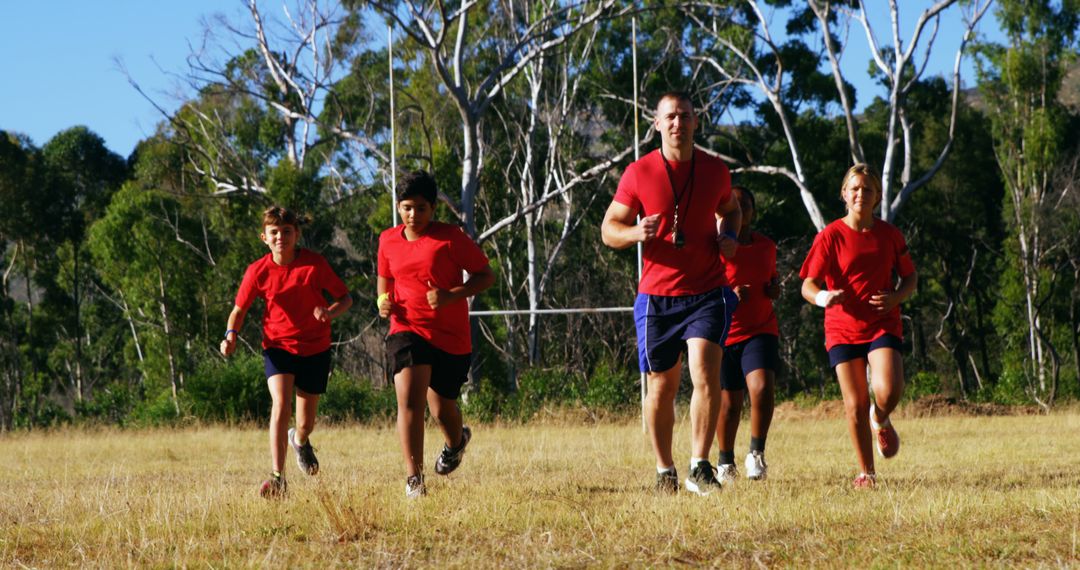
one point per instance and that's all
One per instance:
(981, 491)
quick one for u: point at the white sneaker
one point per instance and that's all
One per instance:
(756, 468)
(727, 473)
(414, 487)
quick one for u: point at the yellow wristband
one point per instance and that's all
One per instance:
(382, 297)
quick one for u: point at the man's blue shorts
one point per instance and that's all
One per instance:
(665, 323)
(842, 353)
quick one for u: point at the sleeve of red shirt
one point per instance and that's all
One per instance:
(247, 293)
(817, 260)
(772, 261)
(904, 265)
(384, 263)
(330, 281)
(466, 254)
(627, 192)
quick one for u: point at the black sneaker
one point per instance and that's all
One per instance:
(702, 479)
(667, 482)
(305, 454)
(449, 459)
(274, 487)
(414, 487)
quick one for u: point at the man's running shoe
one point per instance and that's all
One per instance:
(886, 439)
(756, 468)
(450, 458)
(414, 486)
(726, 473)
(274, 487)
(864, 481)
(667, 482)
(305, 454)
(702, 479)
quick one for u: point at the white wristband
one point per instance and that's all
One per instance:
(822, 298)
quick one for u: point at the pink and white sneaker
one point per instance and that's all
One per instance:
(864, 481)
(886, 439)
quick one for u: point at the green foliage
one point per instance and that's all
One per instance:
(233, 390)
(353, 399)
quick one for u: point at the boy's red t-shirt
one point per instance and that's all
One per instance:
(754, 264)
(292, 292)
(436, 259)
(696, 267)
(862, 264)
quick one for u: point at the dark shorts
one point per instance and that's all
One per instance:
(740, 359)
(449, 372)
(665, 323)
(311, 372)
(842, 353)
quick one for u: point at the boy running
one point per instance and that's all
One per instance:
(752, 354)
(422, 290)
(296, 336)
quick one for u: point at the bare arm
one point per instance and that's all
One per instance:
(383, 288)
(811, 287)
(620, 230)
(728, 222)
(476, 283)
(236, 320)
(335, 310)
(885, 301)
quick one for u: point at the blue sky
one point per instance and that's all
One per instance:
(60, 70)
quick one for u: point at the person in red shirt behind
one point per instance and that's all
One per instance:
(422, 290)
(851, 271)
(752, 354)
(296, 336)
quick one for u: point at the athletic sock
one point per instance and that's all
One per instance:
(757, 444)
(727, 457)
(695, 460)
(662, 470)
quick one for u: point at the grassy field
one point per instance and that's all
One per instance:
(983, 491)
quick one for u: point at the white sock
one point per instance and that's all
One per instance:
(660, 470)
(695, 460)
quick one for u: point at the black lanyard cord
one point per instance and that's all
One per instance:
(688, 184)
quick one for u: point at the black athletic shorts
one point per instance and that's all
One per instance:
(842, 353)
(742, 358)
(311, 372)
(449, 372)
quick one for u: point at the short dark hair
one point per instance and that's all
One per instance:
(280, 216)
(747, 192)
(418, 183)
(676, 95)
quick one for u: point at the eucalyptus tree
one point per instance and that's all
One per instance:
(1034, 135)
(747, 51)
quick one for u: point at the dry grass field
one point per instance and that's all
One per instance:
(964, 491)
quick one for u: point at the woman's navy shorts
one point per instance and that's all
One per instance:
(740, 359)
(842, 353)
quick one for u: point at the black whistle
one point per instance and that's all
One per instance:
(678, 239)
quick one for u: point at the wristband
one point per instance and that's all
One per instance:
(381, 298)
(231, 331)
(822, 298)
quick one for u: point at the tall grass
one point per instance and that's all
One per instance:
(963, 491)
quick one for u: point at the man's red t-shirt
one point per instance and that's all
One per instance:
(437, 259)
(754, 264)
(292, 292)
(645, 188)
(862, 264)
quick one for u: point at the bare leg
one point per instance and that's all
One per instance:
(887, 378)
(307, 406)
(281, 389)
(448, 414)
(411, 385)
(727, 426)
(660, 411)
(761, 385)
(852, 377)
(704, 357)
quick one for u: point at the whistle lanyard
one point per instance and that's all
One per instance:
(688, 184)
